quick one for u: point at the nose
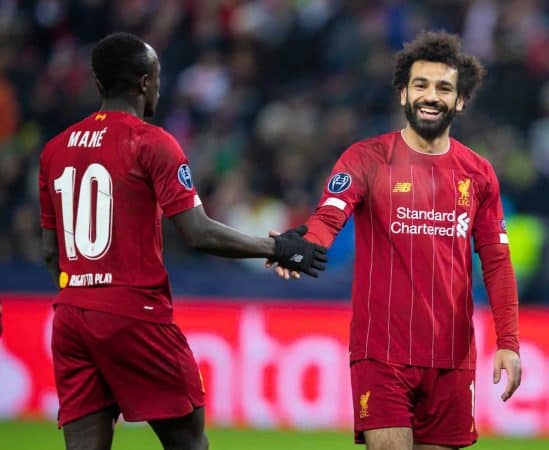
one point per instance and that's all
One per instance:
(431, 94)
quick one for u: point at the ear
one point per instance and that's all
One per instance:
(99, 86)
(403, 96)
(144, 83)
(460, 103)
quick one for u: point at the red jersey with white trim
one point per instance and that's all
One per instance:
(415, 214)
(104, 184)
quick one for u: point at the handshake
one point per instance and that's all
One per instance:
(295, 254)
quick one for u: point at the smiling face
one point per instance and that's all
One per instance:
(431, 99)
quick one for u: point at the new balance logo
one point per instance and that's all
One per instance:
(402, 187)
(462, 225)
(100, 116)
(297, 258)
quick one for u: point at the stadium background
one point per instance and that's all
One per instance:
(264, 95)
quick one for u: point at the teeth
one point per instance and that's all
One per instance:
(429, 111)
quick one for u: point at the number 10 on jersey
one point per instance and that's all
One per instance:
(78, 234)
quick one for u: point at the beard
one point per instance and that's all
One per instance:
(429, 129)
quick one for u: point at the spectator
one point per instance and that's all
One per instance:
(262, 94)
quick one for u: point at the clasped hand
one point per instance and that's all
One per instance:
(294, 254)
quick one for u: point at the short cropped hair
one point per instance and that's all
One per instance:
(118, 60)
(444, 48)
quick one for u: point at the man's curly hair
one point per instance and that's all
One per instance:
(444, 48)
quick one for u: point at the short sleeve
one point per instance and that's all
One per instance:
(489, 224)
(346, 185)
(47, 211)
(165, 163)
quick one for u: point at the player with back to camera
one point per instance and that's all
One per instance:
(104, 184)
(418, 196)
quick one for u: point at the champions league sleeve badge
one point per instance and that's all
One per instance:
(339, 183)
(184, 176)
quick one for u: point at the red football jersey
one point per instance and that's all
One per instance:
(415, 214)
(104, 184)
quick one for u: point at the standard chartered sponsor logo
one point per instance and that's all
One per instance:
(463, 224)
(447, 225)
(422, 214)
(430, 230)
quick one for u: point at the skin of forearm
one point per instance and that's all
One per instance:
(220, 240)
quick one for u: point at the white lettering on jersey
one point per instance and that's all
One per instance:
(84, 139)
(448, 226)
(73, 138)
(88, 139)
(429, 230)
(421, 214)
(90, 279)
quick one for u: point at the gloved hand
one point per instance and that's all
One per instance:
(295, 253)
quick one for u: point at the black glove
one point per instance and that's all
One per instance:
(295, 253)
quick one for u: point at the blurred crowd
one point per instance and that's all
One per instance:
(264, 95)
